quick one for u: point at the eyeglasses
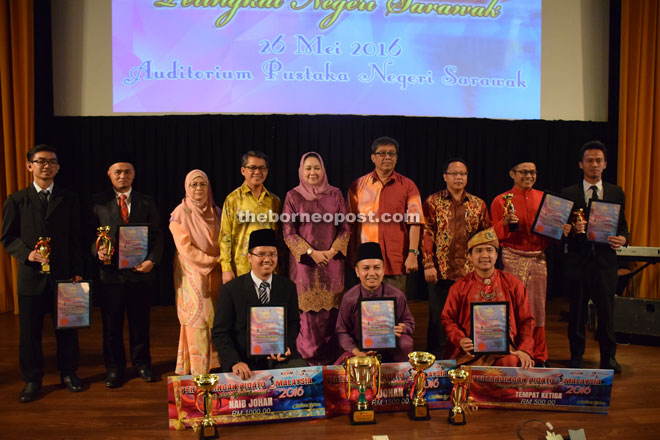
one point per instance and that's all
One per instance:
(43, 162)
(254, 168)
(198, 185)
(382, 154)
(457, 173)
(265, 254)
(526, 172)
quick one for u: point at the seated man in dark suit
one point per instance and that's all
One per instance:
(258, 287)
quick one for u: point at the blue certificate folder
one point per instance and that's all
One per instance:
(133, 245)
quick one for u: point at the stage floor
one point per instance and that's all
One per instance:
(138, 410)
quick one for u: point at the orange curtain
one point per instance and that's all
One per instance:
(639, 130)
(16, 117)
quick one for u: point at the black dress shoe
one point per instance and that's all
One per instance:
(610, 364)
(30, 392)
(147, 375)
(576, 362)
(72, 382)
(114, 379)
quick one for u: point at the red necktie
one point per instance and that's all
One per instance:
(123, 208)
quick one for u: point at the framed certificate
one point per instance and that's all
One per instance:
(73, 304)
(377, 320)
(266, 330)
(133, 245)
(490, 327)
(603, 220)
(553, 213)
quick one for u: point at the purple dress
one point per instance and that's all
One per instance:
(320, 288)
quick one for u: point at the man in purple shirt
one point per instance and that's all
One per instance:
(369, 268)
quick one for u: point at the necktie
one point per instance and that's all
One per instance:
(263, 292)
(123, 208)
(43, 195)
(594, 192)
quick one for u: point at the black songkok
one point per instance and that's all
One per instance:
(262, 237)
(369, 251)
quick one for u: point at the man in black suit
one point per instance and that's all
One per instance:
(43, 209)
(258, 287)
(126, 291)
(591, 269)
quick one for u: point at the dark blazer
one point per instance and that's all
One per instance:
(24, 221)
(579, 249)
(230, 332)
(143, 211)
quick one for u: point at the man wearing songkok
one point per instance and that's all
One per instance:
(248, 208)
(522, 251)
(483, 285)
(591, 269)
(258, 287)
(43, 209)
(370, 270)
(126, 292)
(452, 216)
(392, 208)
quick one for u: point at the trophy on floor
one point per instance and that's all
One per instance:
(578, 216)
(205, 383)
(362, 371)
(420, 361)
(105, 241)
(509, 209)
(459, 396)
(43, 248)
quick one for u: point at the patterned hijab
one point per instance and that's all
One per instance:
(308, 191)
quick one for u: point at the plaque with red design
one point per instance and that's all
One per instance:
(267, 330)
(490, 327)
(553, 213)
(73, 304)
(603, 221)
(133, 245)
(377, 321)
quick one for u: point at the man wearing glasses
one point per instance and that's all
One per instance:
(452, 216)
(391, 208)
(259, 287)
(248, 208)
(522, 251)
(43, 209)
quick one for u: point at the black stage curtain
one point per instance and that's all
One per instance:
(167, 147)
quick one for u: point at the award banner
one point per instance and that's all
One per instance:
(133, 245)
(292, 393)
(553, 213)
(396, 383)
(551, 389)
(73, 304)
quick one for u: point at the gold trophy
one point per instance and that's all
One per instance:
(579, 216)
(104, 240)
(205, 383)
(43, 247)
(362, 370)
(459, 396)
(420, 361)
(510, 209)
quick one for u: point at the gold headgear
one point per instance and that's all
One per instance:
(487, 236)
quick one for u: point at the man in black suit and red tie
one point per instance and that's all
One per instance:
(126, 291)
(43, 209)
(591, 269)
(258, 287)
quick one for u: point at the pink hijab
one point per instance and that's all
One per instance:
(308, 191)
(200, 219)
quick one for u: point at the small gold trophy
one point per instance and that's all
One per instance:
(362, 370)
(578, 216)
(205, 383)
(104, 240)
(510, 209)
(459, 396)
(420, 361)
(43, 247)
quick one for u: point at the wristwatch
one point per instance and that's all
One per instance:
(414, 251)
(309, 251)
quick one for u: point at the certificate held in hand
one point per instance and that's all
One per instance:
(133, 245)
(490, 327)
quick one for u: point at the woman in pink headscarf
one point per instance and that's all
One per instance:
(317, 256)
(195, 225)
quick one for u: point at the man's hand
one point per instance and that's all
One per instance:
(320, 258)
(241, 370)
(103, 253)
(510, 218)
(36, 257)
(398, 329)
(76, 279)
(580, 226)
(616, 241)
(467, 345)
(566, 229)
(227, 276)
(525, 360)
(144, 267)
(431, 275)
(411, 263)
(356, 352)
(280, 357)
